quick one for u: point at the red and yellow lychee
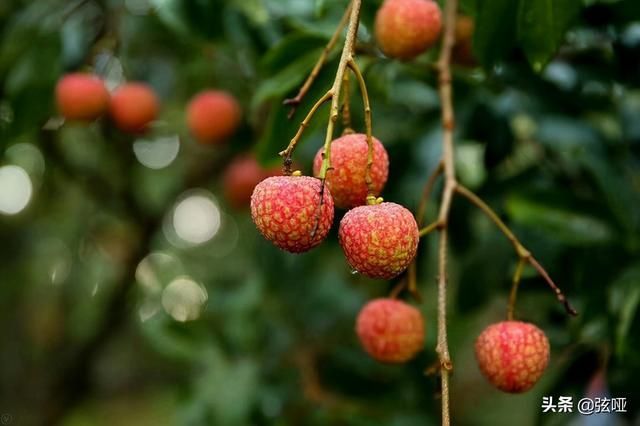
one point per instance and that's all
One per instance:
(133, 107)
(346, 179)
(241, 177)
(406, 28)
(512, 355)
(288, 212)
(379, 241)
(390, 330)
(81, 97)
(212, 116)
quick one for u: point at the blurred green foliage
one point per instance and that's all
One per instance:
(109, 316)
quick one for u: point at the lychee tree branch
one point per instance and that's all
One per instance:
(524, 255)
(514, 289)
(295, 101)
(346, 106)
(445, 92)
(345, 58)
(353, 65)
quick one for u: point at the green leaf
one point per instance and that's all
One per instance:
(624, 298)
(541, 27)
(201, 18)
(561, 224)
(495, 30)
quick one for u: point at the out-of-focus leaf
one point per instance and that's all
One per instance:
(571, 227)
(541, 27)
(624, 297)
(200, 18)
(495, 30)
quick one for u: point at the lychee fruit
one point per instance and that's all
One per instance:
(379, 241)
(212, 116)
(349, 161)
(288, 212)
(81, 97)
(406, 28)
(133, 107)
(390, 330)
(512, 355)
(241, 177)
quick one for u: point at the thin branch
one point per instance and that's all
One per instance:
(448, 123)
(429, 228)
(295, 101)
(286, 154)
(426, 193)
(514, 288)
(371, 196)
(347, 55)
(520, 249)
(346, 106)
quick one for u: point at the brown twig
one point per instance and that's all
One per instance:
(522, 252)
(445, 92)
(295, 101)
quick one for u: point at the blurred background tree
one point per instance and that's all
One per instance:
(132, 292)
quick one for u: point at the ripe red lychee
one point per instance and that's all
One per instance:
(212, 116)
(379, 240)
(81, 97)
(349, 162)
(133, 107)
(406, 28)
(390, 330)
(241, 177)
(287, 211)
(512, 355)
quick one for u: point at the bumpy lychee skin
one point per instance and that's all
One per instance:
(380, 241)
(406, 28)
(241, 177)
(285, 210)
(133, 107)
(349, 162)
(512, 355)
(81, 97)
(212, 116)
(390, 330)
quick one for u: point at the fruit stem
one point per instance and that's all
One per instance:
(448, 165)
(522, 252)
(426, 193)
(353, 65)
(286, 154)
(295, 101)
(514, 289)
(347, 55)
(429, 228)
(346, 106)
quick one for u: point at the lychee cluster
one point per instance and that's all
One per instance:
(84, 97)
(512, 355)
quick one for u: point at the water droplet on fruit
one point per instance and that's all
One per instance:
(354, 272)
